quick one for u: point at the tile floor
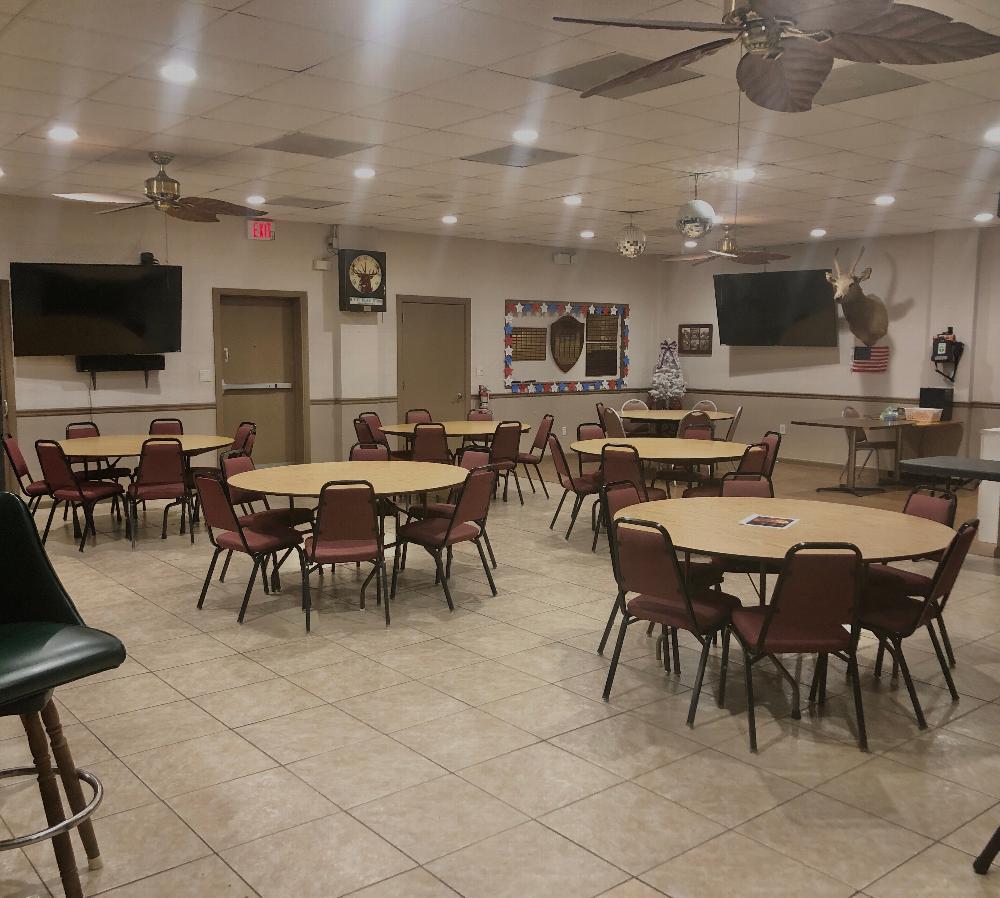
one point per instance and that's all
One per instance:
(470, 753)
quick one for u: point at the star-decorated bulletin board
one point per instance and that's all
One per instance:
(544, 377)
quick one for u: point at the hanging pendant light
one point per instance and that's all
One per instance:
(631, 241)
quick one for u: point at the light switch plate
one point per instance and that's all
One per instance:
(480, 372)
(205, 375)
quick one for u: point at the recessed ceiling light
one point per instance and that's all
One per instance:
(63, 133)
(587, 235)
(178, 73)
(743, 174)
(690, 244)
(256, 199)
(886, 199)
(573, 199)
(983, 217)
(718, 219)
(993, 135)
(449, 219)
(364, 172)
(525, 135)
(817, 232)
(95, 197)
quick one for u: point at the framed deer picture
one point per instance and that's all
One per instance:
(362, 280)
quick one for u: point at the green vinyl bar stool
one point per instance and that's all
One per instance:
(44, 644)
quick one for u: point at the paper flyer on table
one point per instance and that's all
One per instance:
(769, 520)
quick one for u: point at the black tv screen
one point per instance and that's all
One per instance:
(95, 309)
(776, 308)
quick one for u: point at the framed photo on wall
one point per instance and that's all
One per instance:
(694, 339)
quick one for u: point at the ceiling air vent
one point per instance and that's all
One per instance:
(303, 202)
(517, 156)
(312, 145)
(585, 75)
(862, 79)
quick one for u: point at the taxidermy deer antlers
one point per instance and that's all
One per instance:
(865, 313)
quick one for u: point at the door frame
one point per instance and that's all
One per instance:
(403, 299)
(8, 421)
(300, 307)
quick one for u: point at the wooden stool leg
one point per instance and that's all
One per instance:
(52, 802)
(71, 782)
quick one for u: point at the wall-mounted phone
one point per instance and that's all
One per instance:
(947, 350)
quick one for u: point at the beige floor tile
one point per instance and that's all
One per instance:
(185, 650)
(437, 817)
(186, 766)
(424, 659)
(732, 864)
(346, 679)
(953, 757)
(548, 711)
(289, 658)
(560, 624)
(972, 837)
(416, 883)
(694, 781)
(85, 747)
(626, 745)
(257, 701)
(306, 733)
(526, 860)
(271, 629)
(285, 863)
(377, 642)
(460, 740)
(555, 661)
(982, 723)
(632, 688)
(843, 842)
(216, 675)
(483, 682)
(888, 695)
(399, 707)
(938, 871)
(539, 778)
(365, 771)
(152, 727)
(92, 701)
(908, 797)
(238, 811)
(509, 607)
(207, 878)
(497, 640)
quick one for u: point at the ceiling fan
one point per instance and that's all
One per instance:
(791, 44)
(729, 250)
(165, 195)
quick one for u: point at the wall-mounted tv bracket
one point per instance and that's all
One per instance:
(93, 364)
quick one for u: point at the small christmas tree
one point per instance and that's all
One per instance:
(668, 378)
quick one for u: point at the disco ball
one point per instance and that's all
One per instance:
(631, 242)
(695, 219)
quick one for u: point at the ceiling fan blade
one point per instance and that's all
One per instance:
(788, 83)
(758, 257)
(126, 208)
(661, 65)
(219, 207)
(687, 257)
(190, 213)
(654, 24)
(822, 15)
(719, 254)
(911, 35)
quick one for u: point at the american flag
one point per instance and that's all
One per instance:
(870, 358)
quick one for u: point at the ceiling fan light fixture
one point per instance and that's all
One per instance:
(885, 199)
(177, 72)
(817, 232)
(62, 134)
(587, 235)
(574, 199)
(983, 217)
(525, 135)
(631, 242)
(993, 135)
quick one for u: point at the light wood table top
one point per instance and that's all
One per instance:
(659, 415)
(386, 477)
(120, 445)
(712, 526)
(452, 428)
(667, 449)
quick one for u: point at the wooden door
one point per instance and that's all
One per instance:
(433, 356)
(259, 348)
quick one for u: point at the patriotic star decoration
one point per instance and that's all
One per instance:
(591, 308)
(509, 318)
(519, 307)
(579, 387)
(604, 384)
(613, 310)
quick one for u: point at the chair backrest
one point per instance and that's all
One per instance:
(237, 463)
(749, 485)
(506, 442)
(560, 463)
(216, 504)
(695, 425)
(418, 416)
(771, 439)
(472, 457)
(614, 497)
(621, 464)
(161, 461)
(589, 432)
(363, 432)
(16, 459)
(479, 414)
(474, 501)
(705, 405)
(56, 472)
(166, 427)
(600, 413)
(347, 511)
(934, 505)
(613, 426)
(733, 424)
(818, 589)
(630, 404)
(542, 434)
(77, 429)
(244, 437)
(858, 434)
(755, 459)
(374, 423)
(950, 565)
(368, 452)
(430, 443)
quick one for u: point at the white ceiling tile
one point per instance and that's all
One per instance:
(174, 98)
(228, 76)
(569, 109)
(551, 58)
(93, 112)
(983, 84)
(585, 140)
(160, 21)
(30, 102)
(186, 148)
(420, 112)
(445, 143)
(74, 46)
(363, 130)
(50, 77)
(68, 152)
(491, 90)
(918, 100)
(819, 120)
(950, 121)
(275, 115)
(384, 66)
(323, 93)
(14, 123)
(361, 19)
(395, 156)
(501, 126)
(225, 132)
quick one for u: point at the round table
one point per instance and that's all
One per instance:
(661, 415)
(386, 477)
(702, 452)
(121, 445)
(712, 526)
(452, 428)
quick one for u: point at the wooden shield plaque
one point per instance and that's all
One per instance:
(566, 340)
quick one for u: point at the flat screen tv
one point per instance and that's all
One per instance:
(95, 309)
(776, 308)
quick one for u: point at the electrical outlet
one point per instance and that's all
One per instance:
(782, 428)
(480, 372)
(564, 431)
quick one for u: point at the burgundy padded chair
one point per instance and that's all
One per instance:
(106, 468)
(581, 487)
(160, 475)
(65, 486)
(771, 439)
(753, 462)
(613, 427)
(537, 452)
(226, 533)
(477, 414)
(418, 416)
(814, 610)
(588, 431)
(430, 444)
(243, 440)
(695, 425)
(234, 463)
(754, 486)
(636, 428)
(364, 434)
(621, 463)
(505, 448)
(346, 530)
(439, 535)
(600, 406)
(897, 603)
(934, 505)
(166, 427)
(645, 563)
(374, 424)
(368, 452)
(34, 490)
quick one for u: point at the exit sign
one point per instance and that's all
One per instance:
(260, 229)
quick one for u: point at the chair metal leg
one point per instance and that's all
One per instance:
(48, 523)
(225, 565)
(208, 576)
(395, 568)
(558, 509)
(517, 483)
(541, 480)
(724, 666)
(306, 594)
(751, 721)
(946, 641)
(527, 474)
(88, 524)
(985, 860)
(246, 596)
(614, 658)
(945, 669)
(677, 651)
(444, 580)
(897, 651)
(609, 625)
(447, 568)
(706, 644)
(489, 548)
(576, 511)
(879, 657)
(486, 566)
(852, 668)
(597, 530)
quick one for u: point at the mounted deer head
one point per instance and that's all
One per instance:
(843, 281)
(866, 314)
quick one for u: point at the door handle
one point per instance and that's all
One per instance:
(269, 385)
(225, 353)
